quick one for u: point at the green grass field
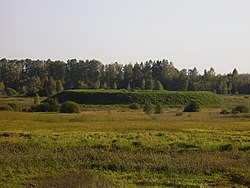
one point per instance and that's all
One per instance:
(113, 146)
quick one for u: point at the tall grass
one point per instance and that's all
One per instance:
(110, 147)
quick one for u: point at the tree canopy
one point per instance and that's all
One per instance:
(47, 77)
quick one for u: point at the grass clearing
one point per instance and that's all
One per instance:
(118, 147)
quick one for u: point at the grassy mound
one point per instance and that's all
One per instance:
(107, 97)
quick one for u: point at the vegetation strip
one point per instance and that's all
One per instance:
(125, 97)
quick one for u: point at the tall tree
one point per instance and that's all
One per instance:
(59, 86)
(149, 85)
(128, 74)
(50, 86)
(158, 86)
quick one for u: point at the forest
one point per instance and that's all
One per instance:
(46, 77)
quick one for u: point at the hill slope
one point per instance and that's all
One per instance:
(106, 97)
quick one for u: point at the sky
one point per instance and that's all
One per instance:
(189, 33)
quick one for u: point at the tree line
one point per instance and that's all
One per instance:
(46, 77)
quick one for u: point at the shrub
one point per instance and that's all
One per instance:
(179, 114)
(11, 92)
(148, 108)
(224, 111)
(158, 109)
(15, 106)
(54, 106)
(234, 111)
(193, 106)
(69, 107)
(134, 106)
(226, 147)
(51, 105)
(44, 107)
(240, 109)
(6, 108)
(136, 144)
(36, 99)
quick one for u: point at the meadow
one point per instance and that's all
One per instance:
(114, 146)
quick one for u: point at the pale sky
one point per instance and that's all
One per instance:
(190, 33)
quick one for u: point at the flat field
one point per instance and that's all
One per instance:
(113, 146)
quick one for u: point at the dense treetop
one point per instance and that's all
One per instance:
(28, 77)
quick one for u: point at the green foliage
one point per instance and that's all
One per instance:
(240, 109)
(53, 105)
(36, 99)
(15, 106)
(128, 86)
(159, 109)
(226, 147)
(142, 84)
(193, 106)
(97, 84)
(69, 107)
(149, 84)
(148, 108)
(50, 86)
(2, 86)
(158, 86)
(75, 179)
(6, 108)
(233, 111)
(134, 106)
(225, 111)
(82, 85)
(126, 97)
(11, 92)
(44, 107)
(29, 77)
(114, 86)
(59, 86)
(179, 113)
(50, 105)
(126, 148)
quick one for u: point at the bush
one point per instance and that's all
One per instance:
(69, 107)
(44, 107)
(54, 106)
(193, 106)
(51, 105)
(15, 106)
(11, 92)
(227, 147)
(158, 109)
(224, 111)
(36, 99)
(148, 108)
(6, 108)
(179, 114)
(240, 109)
(134, 106)
(234, 111)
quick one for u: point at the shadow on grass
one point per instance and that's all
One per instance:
(74, 179)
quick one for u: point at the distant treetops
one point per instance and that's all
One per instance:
(28, 77)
